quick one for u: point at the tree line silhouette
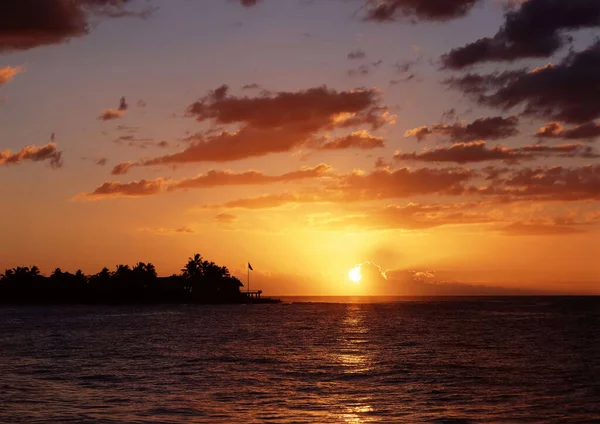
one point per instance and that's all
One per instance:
(200, 281)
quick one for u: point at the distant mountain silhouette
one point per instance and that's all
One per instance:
(200, 281)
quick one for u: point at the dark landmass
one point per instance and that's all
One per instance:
(200, 281)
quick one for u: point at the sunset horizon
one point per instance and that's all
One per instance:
(300, 211)
(307, 138)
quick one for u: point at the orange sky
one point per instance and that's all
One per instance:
(445, 150)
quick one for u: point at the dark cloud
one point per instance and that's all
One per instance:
(475, 151)
(25, 24)
(566, 92)
(478, 151)
(494, 128)
(433, 10)
(313, 108)
(362, 70)
(547, 184)
(564, 150)
(406, 66)
(399, 183)
(101, 161)
(357, 54)
(536, 29)
(274, 122)
(49, 152)
(252, 86)
(141, 103)
(142, 143)
(121, 168)
(402, 80)
(587, 131)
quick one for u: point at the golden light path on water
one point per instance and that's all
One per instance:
(354, 356)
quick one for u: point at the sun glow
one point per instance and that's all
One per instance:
(354, 274)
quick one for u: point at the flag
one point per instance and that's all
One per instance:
(250, 267)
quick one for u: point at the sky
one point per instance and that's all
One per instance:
(443, 147)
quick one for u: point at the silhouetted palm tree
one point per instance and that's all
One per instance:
(122, 271)
(193, 268)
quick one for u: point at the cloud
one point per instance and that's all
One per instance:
(587, 131)
(123, 106)
(478, 151)
(360, 186)
(358, 140)
(529, 229)
(142, 143)
(249, 3)
(101, 161)
(218, 178)
(270, 201)
(563, 150)
(121, 168)
(474, 151)
(545, 183)
(213, 178)
(127, 128)
(141, 103)
(225, 218)
(402, 80)
(493, 128)
(536, 29)
(110, 114)
(274, 122)
(140, 188)
(7, 73)
(399, 183)
(406, 66)
(252, 86)
(362, 70)
(431, 10)
(408, 217)
(168, 231)
(357, 54)
(25, 24)
(48, 152)
(563, 92)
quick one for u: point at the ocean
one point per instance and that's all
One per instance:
(306, 360)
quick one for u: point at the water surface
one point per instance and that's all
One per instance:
(387, 360)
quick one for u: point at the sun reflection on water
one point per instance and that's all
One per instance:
(355, 356)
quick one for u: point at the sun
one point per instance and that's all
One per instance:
(354, 274)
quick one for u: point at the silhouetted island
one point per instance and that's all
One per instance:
(200, 281)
